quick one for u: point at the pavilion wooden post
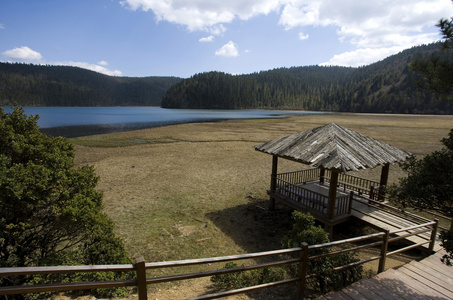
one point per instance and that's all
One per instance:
(322, 173)
(383, 181)
(332, 198)
(273, 180)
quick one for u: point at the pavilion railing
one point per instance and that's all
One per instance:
(361, 186)
(314, 202)
(300, 177)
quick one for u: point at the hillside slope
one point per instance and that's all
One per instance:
(387, 86)
(37, 85)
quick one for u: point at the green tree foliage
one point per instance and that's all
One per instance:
(36, 85)
(429, 186)
(51, 212)
(387, 86)
(305, 230)
(437, 69)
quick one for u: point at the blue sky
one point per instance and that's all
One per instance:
(185, 37)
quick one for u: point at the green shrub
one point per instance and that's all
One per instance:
(305, 230)
(242, 279)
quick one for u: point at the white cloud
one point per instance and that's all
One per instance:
(303, 36)
(382, 25)
(203, 14)
(362, 57)
(376, 29)
(217, 30)
(93, 67)
(375, 24)
(24, 54)
(1, 26)
(206, 39)
(228, 50)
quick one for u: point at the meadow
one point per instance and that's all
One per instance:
(199, 190)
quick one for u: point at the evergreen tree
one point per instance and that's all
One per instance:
(51, 212)
(437, 71)
(429, 186)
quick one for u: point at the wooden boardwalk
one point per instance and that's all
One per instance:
(384, 220)
(375, 216)
(426, 279)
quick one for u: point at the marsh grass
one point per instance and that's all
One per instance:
(199, 190)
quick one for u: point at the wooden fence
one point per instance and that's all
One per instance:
(302, 253)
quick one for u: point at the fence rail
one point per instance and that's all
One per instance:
(141, 266)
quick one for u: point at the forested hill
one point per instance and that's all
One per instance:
(387, 86)
(37, 85)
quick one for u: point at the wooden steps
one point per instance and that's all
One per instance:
(426, 279)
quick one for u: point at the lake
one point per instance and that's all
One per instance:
(82, 121)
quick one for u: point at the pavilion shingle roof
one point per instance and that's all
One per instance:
(335, 148)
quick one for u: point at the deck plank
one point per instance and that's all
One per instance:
(434, 275)
(443, 269)
(366, 292)
(381, 290)
(408, 284)
(426, 279)
(335, 296)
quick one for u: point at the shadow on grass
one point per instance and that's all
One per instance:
(252, 226)
(255, 229)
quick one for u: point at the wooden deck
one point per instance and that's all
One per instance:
(362, 209)
(384, 220)
(426, 279)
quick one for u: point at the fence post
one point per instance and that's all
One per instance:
(433, 235)
(384, 251)
(141, 278)
(303, 269)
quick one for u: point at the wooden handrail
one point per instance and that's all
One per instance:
(141, 266)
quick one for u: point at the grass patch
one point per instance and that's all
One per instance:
(109, 141)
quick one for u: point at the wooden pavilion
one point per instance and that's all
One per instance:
(326, 191)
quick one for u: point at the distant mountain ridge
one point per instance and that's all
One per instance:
(38, 85)
(387, 86)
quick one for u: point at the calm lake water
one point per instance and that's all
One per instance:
(82, 121)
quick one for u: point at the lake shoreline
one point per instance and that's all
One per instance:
(80, 121)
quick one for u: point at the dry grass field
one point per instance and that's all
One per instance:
(199, 190)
